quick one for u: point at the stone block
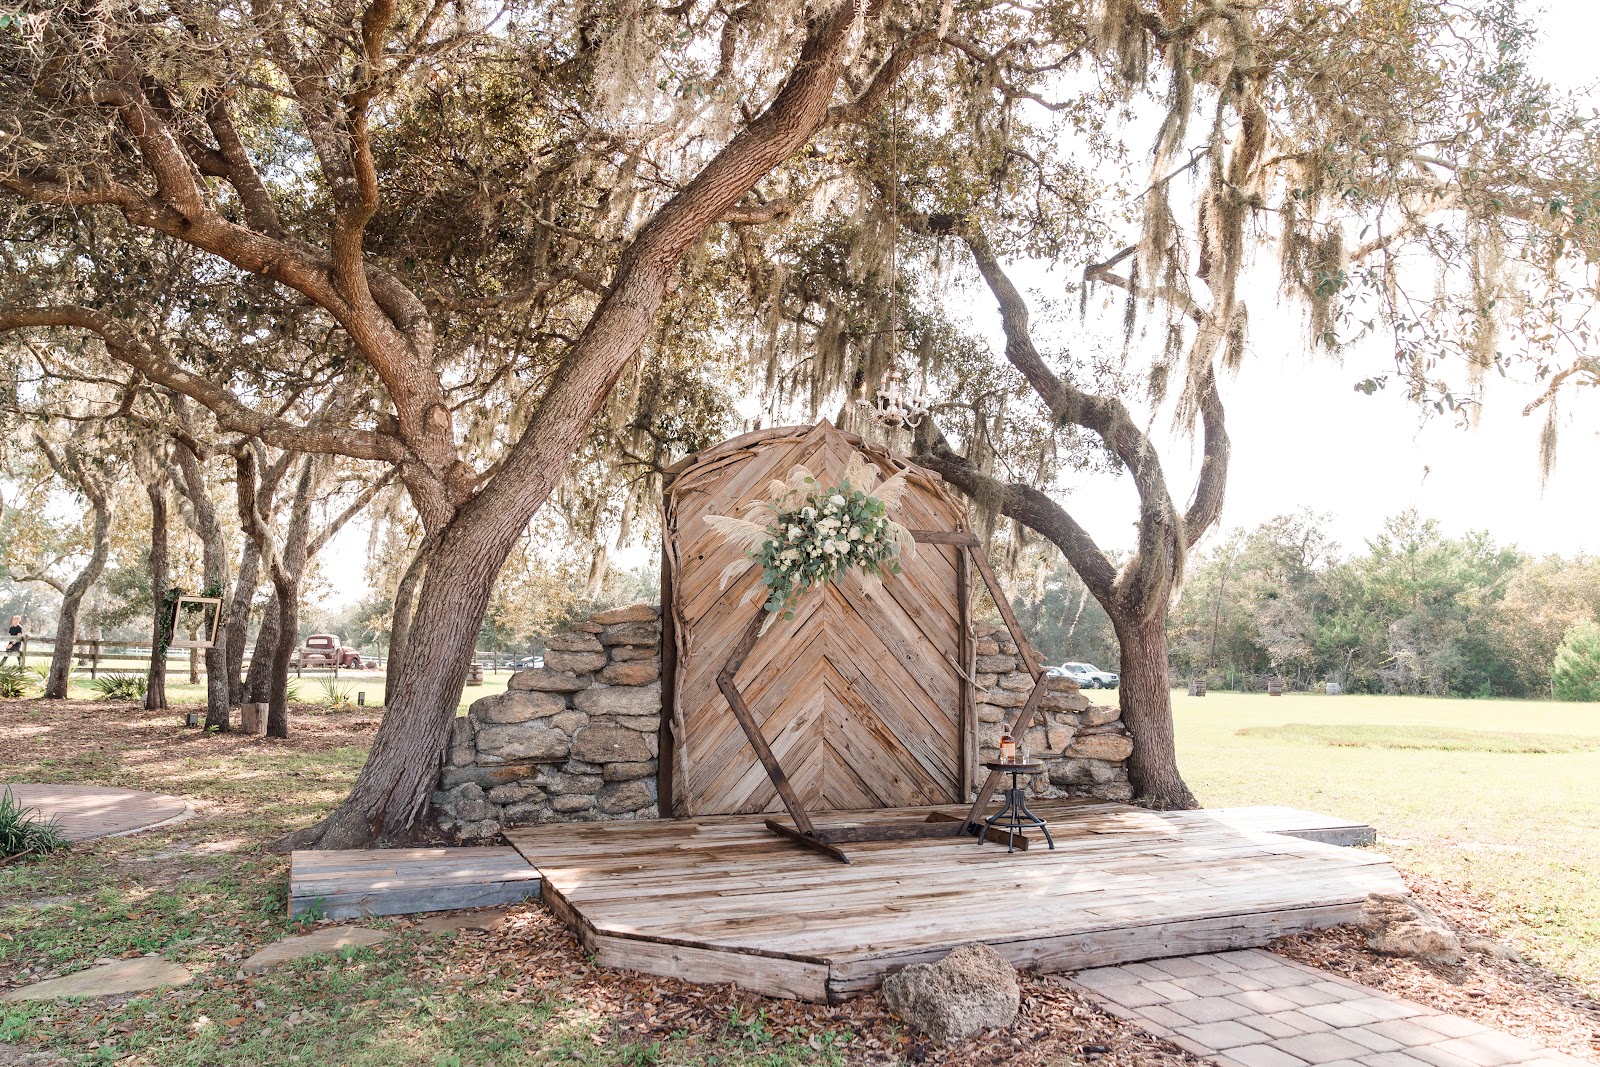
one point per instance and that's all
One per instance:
(627, 772)
(1100, 714)
(985, 681)
(515, 793)
(487, 777)
(1001, 698)
(1056, 701)
(997, 664)
(529, 813)
(468, 804)
(1057, 738)
(634, 672)
(991, 713)
(462, 750)
(632, 633)
(575, 662)
(477, 831)
(1320, 1048)
(1111, 747)
(626, 796)
(562, 783)
(971, 990)
(620, 699)
(603, 743)
(572, 803)
(1059, 683)
(640, 612)
(569, 722)
(644, 724)
(516, 705)
(1069, 772)
(630, 653)
(578, 766)
(548, 680)
(1016, 681)
(986, 646)
(574, 642)
(533, 742)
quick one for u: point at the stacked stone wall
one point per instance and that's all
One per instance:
(576, 740)
(1083, 745)
(572, 741)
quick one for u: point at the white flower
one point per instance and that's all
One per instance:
(795, 533)
(854, 534)
(836, 500)
(869, 539)
(808, 512)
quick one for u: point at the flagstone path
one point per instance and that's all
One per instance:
(1258, 1009)
(86, 812)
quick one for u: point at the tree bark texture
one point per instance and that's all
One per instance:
(155, 690)
(55, 685)
(403, 613)
(258, 680)
(1146, 701)
(214, 568)
(286, 586)
(236, 634)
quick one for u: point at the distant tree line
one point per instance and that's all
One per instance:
(1413, 612)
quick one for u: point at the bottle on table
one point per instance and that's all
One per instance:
(1008, 745)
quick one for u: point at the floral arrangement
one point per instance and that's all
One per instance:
(815, 533)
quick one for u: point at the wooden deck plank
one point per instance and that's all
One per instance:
(721, 899)
(354, 883)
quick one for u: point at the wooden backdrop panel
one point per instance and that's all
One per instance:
(861, 695)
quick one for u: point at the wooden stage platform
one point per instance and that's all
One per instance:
(723, 900)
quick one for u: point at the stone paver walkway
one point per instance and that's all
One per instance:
(85, 812)
(1257, 1009)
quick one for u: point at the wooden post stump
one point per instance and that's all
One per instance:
(253, 718)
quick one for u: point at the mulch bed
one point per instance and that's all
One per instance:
(1506, 993)
(533, 951)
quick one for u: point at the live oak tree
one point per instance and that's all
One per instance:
(256, 134)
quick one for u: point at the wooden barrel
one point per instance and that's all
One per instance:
(475, 673)
(1197, 687)
(1274, 687)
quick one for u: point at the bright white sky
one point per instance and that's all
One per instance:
(1302, 436)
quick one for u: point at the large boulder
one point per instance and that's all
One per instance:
(548, 680)
(1396, 925)
(971, 990)
(574, 662)
(620, 700)
(573, 642)
(632, 633)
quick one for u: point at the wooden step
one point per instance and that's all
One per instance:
(354, 883)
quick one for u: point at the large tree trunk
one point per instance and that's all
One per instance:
(1146, 700)
(214, 567)
(258, 682)
(286, 586)
(55, 685)
(155, 688)
(391, 795)
(237, 632)
(403, 614)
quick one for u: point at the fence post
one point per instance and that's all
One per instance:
(94, 657)
(22, 652)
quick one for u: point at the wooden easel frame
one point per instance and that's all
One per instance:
(826, 840)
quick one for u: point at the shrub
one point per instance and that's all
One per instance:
(23, 832)
(1576, 675)
(338, 695)
(16, 682)
(119, 685)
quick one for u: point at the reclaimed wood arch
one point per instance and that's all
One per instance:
(862, 700)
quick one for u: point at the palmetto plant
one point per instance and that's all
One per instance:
(119, 685)
(338, 696)
(16, 682)
(23, 832)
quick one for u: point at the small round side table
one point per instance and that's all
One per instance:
(1014, 815)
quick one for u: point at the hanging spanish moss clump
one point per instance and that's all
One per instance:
(1119, 31)
(1486, 266)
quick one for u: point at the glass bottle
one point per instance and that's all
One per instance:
(1008, 745)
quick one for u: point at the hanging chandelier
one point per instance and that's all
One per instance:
(897, 406)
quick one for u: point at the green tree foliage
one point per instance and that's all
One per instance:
(1413, 612)
(1576, 675)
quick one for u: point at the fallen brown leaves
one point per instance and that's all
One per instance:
(535, 956)
(1511, 995)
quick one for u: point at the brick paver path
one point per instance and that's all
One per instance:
(1257, 1009)
(85, 812)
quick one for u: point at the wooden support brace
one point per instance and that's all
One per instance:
(806, 840)
(961, 826)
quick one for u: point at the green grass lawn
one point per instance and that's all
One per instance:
(1499, 797)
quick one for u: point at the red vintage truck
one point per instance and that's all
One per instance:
(325, 650)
